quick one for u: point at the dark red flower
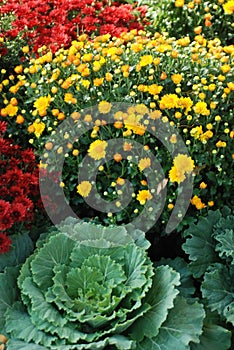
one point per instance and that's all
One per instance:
(5, 243)
(4, 208)
(3, 127)
(6, 221)
(18, 212)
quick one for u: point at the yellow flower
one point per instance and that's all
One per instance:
(104, 107)
(97, 149)
(176, 78)
(132, 123)
(179, 3)
(155, 114)
(175, 175)
(154, 89)
(203, 185)
(144, 163)
(141, 109)
(185, 102)
(196, 132)
(229, 7)
(197, 202)
(184, 41)
(143, 196)
(84, 188)
(184, 163)
(169, 101)
(25, 49)
(69, 98)
(108, 76)
(206, 135)
(11, 110)
(85, 83)
(145, 60)
(87, 57)
(225, 68)
(98, 81)
(38, 128)
(42, 103)
(201, 108)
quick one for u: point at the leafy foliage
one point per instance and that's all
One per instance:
(210, 246)
(84, 289)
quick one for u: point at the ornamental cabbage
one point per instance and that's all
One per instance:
(94, 287)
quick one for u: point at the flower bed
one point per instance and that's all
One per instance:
(131, 133)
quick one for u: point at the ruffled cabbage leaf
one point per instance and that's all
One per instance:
(93, 287)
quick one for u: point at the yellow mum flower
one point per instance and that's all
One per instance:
(229, 7)
(97, 149)
(11, 110)
(169, 101)
(42, 103)
(38, 128)
(143, 196)
(104, 107)
(154, 89)
(185, 102)
(196, 132)
(179, 3)
(175, 175)
(69, 98)
(98, 81)
(146, 60)
(155, 114)
(184, 163)
(176, 78)
(201, 108)
(84, 188)
(197, 202)
(144, 163)
(141, 109)
(86, 83)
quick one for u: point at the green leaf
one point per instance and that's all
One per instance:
(56, 251)
(186, 287)
(182, 326)
(214, 336)
(8, 291)
(22, 247)
(201, 245)
(217, 289)
(20, 345)
(136, 266)
(24, 329)
(160, 297)
(225, 247)
(95, 235)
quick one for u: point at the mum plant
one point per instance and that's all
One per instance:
(186, 85)
(57, 23)
(19, 194)
(212, 19)
(91, 287)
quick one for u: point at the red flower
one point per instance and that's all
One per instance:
(3, 127)
(5, 243)
(6, 221)
(4, 207)
(18, 212)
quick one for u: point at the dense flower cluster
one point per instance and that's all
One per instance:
(143, 69)
(57, 23)
(18, 188)
(211, 18)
